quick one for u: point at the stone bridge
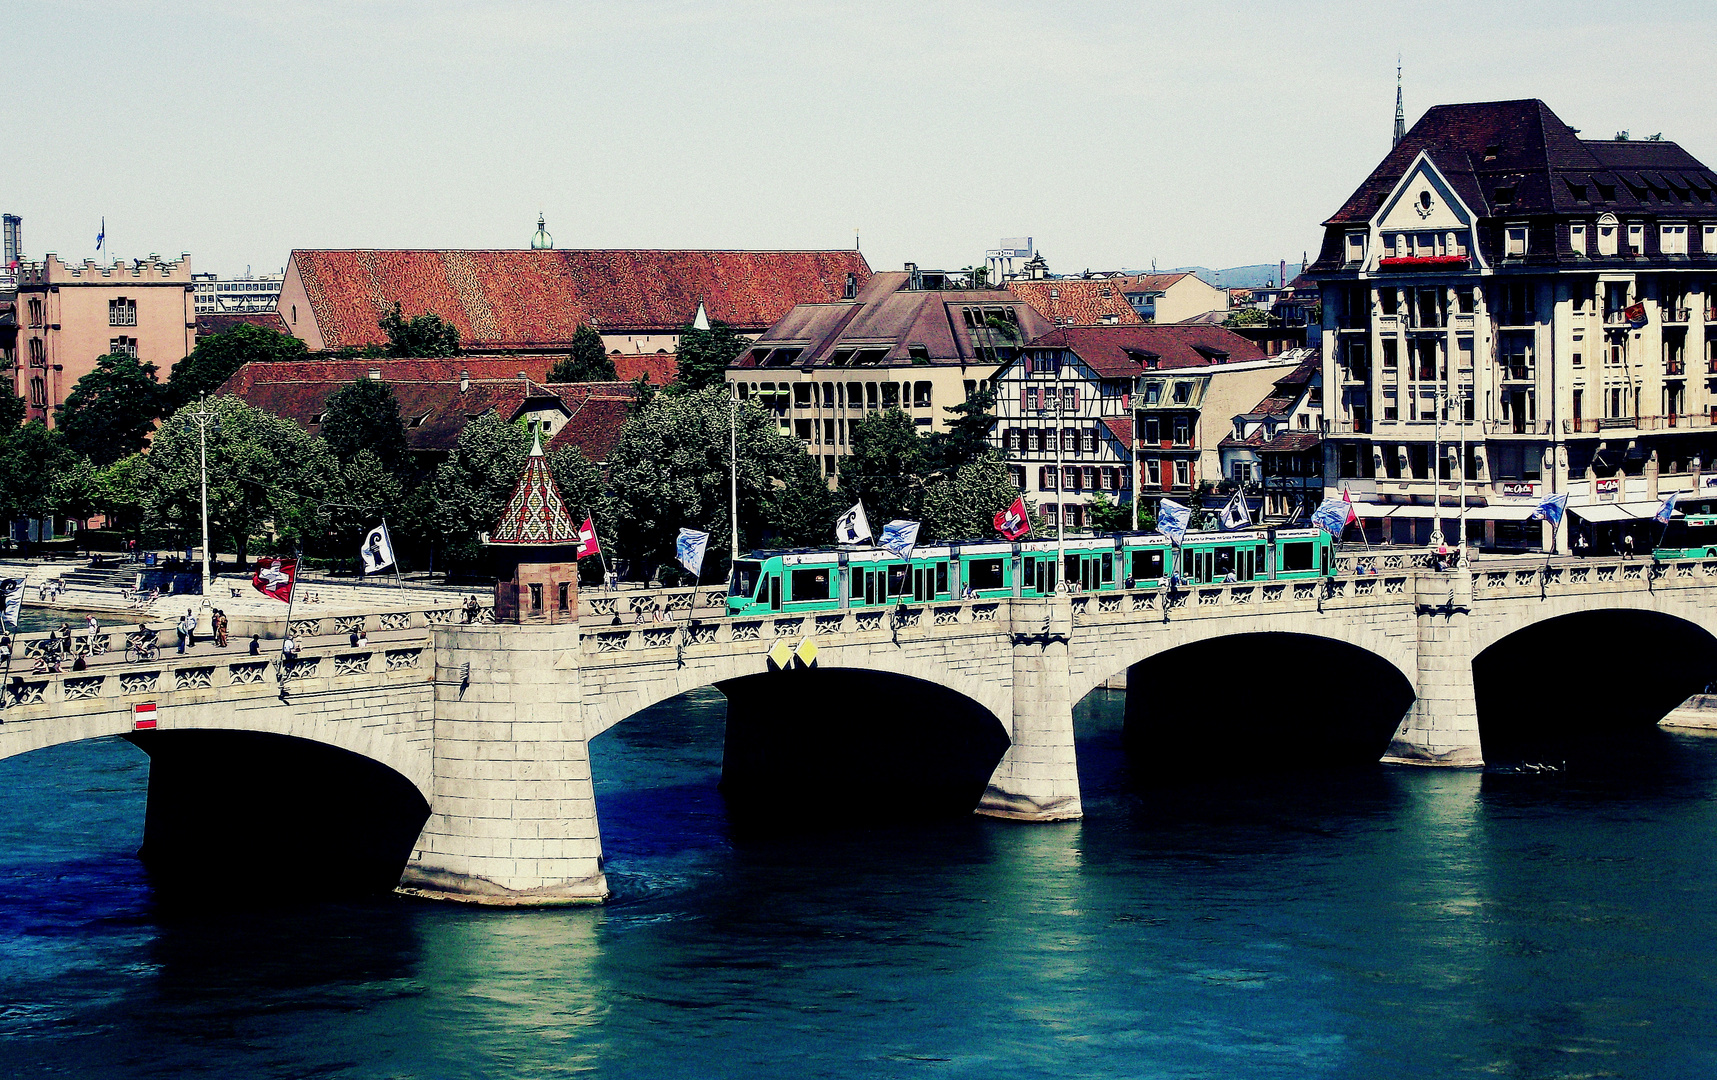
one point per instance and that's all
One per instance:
(452, 759)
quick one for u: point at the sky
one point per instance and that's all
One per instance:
(1115, 134)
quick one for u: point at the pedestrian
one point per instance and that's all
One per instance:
(289, 648)
(66, 636)
(1581, 545)
(5, 650)
(78, 663)
(255, 645)
(183, 631)
(220, 628)
(1628, 546)
(472, 608)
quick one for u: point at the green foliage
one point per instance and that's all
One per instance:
(1106, 515)
(75, 492)
(585, 492)
(471, 487)
(704, 356)
(420, 335)
(802, 511)
(1249, 316)
(217, 356)
(368, 492)
(263, 471)
(886, 467)
(588, 362)
(110, 411)
(31, 458)
(120, 492)
(670, 470)
(968, 436)
(963, 505)
(365, 416)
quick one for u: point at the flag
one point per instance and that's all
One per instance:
(11, 599)
(587, 544)
(101, 237)
(852, 527)
(1334, 515)
(1013, 523)
(274, 578)
(1667, 510)
(377, 550)
(1236, 515)
(689, 550)
(1635, 315)
(1551, 509)
(1172, 519)
(900, 537)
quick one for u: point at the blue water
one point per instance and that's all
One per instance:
(1392, 923)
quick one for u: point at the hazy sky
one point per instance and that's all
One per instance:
(1114, 134)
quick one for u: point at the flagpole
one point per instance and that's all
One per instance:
(599, 552)
(291, 598)
(391, 551)
(1060, 480)
(733, 476)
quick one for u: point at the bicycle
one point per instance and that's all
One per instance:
(140, 650)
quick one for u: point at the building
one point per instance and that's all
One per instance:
(823, 367)
(438, 397)
(1275, 452)
(1171, 298)
(237, 296)
(533, 301)
(1110, 382)
(71, 316)
(1078, 301)
(1509, 310)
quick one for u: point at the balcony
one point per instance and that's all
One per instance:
(1675, 367)
(1423, 262)
(1517, 427)
(1670, 422)
(1518, 373)
(1675, 316)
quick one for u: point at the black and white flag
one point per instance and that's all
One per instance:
(377, 550)
(852, 527)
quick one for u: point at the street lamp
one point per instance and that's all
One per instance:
(206, 420)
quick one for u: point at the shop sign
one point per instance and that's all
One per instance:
(1609, 486)
(1518, 488)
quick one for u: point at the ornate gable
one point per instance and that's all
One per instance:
(535, 514)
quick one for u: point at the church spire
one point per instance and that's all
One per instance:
(1400, 114)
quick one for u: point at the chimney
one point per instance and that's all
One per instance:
(376, 374)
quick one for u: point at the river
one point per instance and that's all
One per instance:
(1378, 923)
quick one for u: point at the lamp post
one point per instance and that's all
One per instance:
(206, 420)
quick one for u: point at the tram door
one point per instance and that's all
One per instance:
(1038, 577)
(1200, 564)
(774, 592)
(868, 586)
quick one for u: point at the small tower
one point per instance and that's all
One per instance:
(534, 551)
(1400, 113)
(542, 241)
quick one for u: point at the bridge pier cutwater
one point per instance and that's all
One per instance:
(1038, 777)
(1442, 725)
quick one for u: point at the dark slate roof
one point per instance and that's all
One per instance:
(220, 323)
(1123, 351)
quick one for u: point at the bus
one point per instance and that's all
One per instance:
(810, 580)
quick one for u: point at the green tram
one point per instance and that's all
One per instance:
(1691, 533)
(806, 580)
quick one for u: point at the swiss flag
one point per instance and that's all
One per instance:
(1013, 523)
(587, 544)
(274, 577)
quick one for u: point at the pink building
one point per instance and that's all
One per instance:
(71, 316)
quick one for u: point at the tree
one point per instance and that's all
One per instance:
(364, 415)
(217, 356)
(670, 470)
(422, 335)
(802, 511)
(968, 436)
(1250, 316)
(885, 467)
(75, 491)
(704, 356)
(470, 489)
(1106, 515)
(584, 492)
(368, 493)
(264, 472)
(119, 492)
(110, 411)
(588, 362)
(31, 457)
(963, 505)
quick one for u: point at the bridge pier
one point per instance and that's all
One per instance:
(1442, 725)
(513, 817)
(1038, 777)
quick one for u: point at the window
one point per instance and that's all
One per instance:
(35, 312)
(1636, 238)
(1043, 365)
(1153, 431)
(1390, 360)
(1577, 239)
(122, 345)
(38, 353)
(1387, 301)
(1607, 227)
(810, 584)
(1672, 239)
(921, 395)
(1070, 478)
(1088, 476)
(1088, 441)
(536, 596)
(564, 596)
(1070, 399)
(1183, 473)
(1182, 432)
(38, 391)
(1579, 396)
(1355, 247)
(1011, 439)
(1070, 440)
(1515, 241)
(122, 312)
(1708, 240)
(1391, 406)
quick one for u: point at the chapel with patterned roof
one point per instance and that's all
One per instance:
(534, 551)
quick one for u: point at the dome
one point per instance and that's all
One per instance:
(542, 240)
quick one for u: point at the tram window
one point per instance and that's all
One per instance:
(1028, 573)
(1224, 561)
(899, 581)
(1147, 565)
(1298, 556)
(745, 578)
(856, 590)
(984, 574)
(1108, 570)
(812, 584)
(941, 577)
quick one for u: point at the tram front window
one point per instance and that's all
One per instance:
(744, 581)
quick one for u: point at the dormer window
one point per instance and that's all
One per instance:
(1672, 239)
(1491, 151)
(1577, 238)
(1636, 238)
(1514, 241)
(1577, 192)
(1504, 196)
(1356, 247)
(1607, 230)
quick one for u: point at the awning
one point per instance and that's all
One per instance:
(1503, 512)
(1629, 511)
(1374, 510)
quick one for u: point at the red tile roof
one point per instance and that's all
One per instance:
(1077, 302)
(1122, 428)
(1121, 351)
(594, 428)
(512, 299)
(535, 513)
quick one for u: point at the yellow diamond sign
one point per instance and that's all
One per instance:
(807, 653)
(781, 655)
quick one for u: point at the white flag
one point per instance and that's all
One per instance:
(689, 549)
(377, 550)
(1236, 515)
(900, 537)
(11, 599)
(852, 526)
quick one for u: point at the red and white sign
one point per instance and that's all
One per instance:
(143, 716)
(1519, 488)
(1609, 486)
(274, 578)
(587, 544)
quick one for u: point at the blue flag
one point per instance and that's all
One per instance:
(101, 237)
(1333, 516)
(1667, 510)
(1551, 509)
(689, 549)
(900, 537)
(1172, 519)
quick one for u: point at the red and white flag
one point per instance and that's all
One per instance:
(587, 544)
(274, 577)
(1013, 523)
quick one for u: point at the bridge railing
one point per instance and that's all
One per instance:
(642, 605)
(595, 638)
(168, 673)
(1592, 575)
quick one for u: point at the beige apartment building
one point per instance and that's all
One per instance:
(71, 316)
(1511, 311)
